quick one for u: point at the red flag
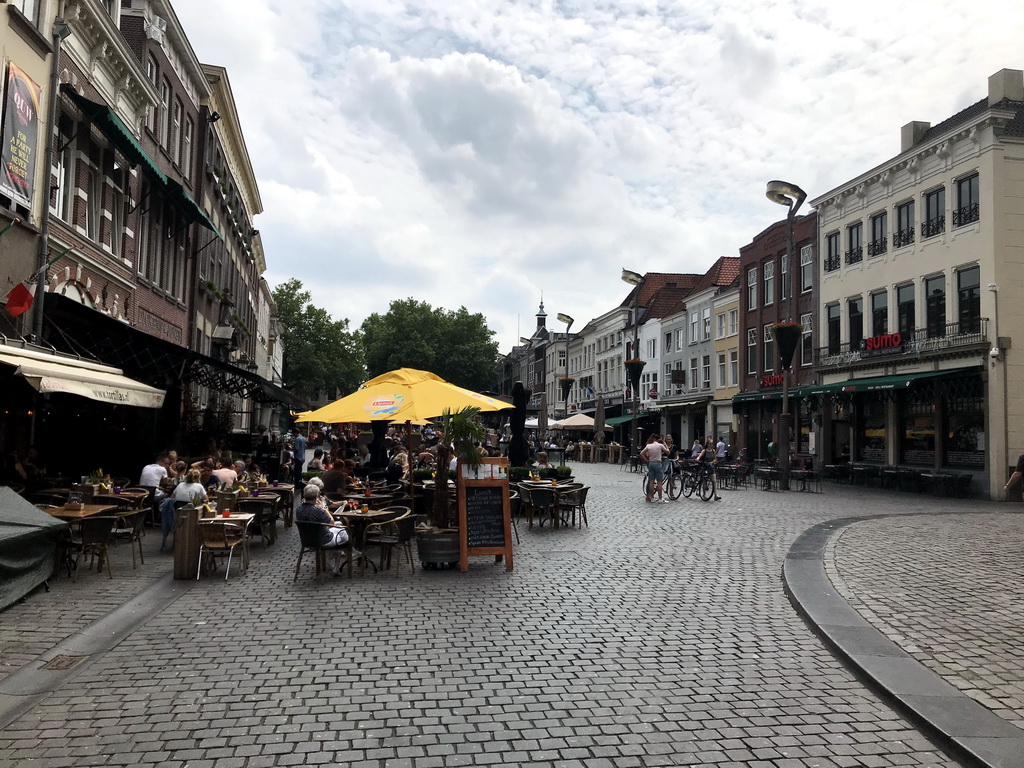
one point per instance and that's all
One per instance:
(19, 300)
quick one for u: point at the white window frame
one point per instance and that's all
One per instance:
(769, 339)
(705, 372)
(734, 367)
(806, 260)
(734, 322)
(720, 325)
(752, 351)
(694, 320)
(705, 317)
(806, 320)
(769, 282)
(723, 372)
(28, 8)
(784, 276)
(693, 373)
(752, 288)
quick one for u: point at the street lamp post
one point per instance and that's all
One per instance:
(564, 318)
(791, 196)
(634, 279)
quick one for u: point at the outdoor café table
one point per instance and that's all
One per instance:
(87, 510)
(374, 500)
(358, 521)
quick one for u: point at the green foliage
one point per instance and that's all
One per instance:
(563, 471)
(457, 346)
(518, 474)
(320, 354)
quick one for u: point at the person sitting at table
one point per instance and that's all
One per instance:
(206, 473)
(542, 461)
(189, 490)
(321, 500)
(335, 479)
(316, 464)
(426, 459)
(225, 473)
(177, 474)
(332, 535)
(570, 450)
(397, 467)
(153, 476)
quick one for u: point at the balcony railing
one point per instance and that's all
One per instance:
(969, 333)
(966, 215)
(854, 255)
(832, 262)
(878, 247)
(903, 237)
(933, 227)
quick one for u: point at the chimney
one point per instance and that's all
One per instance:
(911, 133)
(1006, 84)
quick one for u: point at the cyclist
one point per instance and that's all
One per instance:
(654, 453)
(670, 465)
(706, 461)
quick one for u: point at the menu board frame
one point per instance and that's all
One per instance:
(493, 473)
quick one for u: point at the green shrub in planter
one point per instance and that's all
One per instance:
(307, 475)
(563, 471)
(419, 475)
(518, 474)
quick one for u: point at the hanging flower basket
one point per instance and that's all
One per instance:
(634, 368)
(787, 335)
(566, 384)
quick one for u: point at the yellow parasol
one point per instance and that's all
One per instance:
(405, 394)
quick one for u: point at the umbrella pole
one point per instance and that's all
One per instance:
(408, 453)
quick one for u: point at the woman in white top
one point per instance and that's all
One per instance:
(654, 453)
(186, 491)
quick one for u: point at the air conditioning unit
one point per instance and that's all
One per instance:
(156, 29)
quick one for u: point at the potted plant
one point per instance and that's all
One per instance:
(566, 384)
(634, 367)
(460, 432)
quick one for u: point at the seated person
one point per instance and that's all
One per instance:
(206, 473)
(570, 450)
(426, 459)
(335, 479)
(542, 461)
(397, 468)
(332, 535)
(362, 455)
(189, 490)
(177, 476)
(321, 500)
(153, 475)
(240, 470)
(224, 473)
(316, 464)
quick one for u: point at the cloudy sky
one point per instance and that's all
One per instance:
(485, 152)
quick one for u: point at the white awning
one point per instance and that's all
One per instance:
(48, 372)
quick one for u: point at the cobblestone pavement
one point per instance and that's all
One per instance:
(658, 636)
(949, 590)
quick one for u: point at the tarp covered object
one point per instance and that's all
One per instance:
(28, 546)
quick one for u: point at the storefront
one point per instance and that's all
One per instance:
(757, 419)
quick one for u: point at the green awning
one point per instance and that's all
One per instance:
(614, 421)
(111, 125)
(189, 207)
(874, 384)
(775, 394)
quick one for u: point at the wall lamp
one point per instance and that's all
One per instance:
(214, 117)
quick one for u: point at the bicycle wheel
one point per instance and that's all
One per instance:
(689, 483)
(644, 478)
(706, 489)
(675, 485)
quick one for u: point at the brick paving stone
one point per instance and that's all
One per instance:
(652, 637)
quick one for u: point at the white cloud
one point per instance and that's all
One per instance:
(480, 154)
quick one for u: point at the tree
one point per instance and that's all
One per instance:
(457, 346)
(320, 354)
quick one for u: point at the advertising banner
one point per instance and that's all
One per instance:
(20, 132)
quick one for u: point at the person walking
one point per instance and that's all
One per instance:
(654, 453)
(298, 456)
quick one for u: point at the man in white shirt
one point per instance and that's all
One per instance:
(720, 449)
(153, 474)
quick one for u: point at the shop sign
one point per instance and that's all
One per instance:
(772, 380)
(653, 394)
(887, 342)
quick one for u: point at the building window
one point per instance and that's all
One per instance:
(28, 7)
(705, 372)
(935, 306)
(769, 282)
(165, 112)
(63, 202)
(832, 256)
(879, 313)
(680, 338)
(652, 349)
(855, 308)
(934, 213)
(769, 348)
(752, 288)
(722, 371)
(968, 285)
(118, 183)
(93, 205)
(967, 202)
(720, 325)
(906, 309)
(751, 350)
(854, 243)
(152, 112)
(879, 234)
(142, 238)
(693, 372)
(734, 367)
(904, 234)
(694, 320)
(734, 322)
(176, 132)
(784, 275)
(706, 322)
(806, 269)
(806, 340)
(834, 329)
(668, 342)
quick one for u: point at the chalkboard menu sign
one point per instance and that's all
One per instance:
(485, 516)
(485, 522)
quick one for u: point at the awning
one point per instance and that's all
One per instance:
(189, 207)
(751, 397)
(48, 372)
(614, 421)
(683, 403)
(875, 384)
(117, 132)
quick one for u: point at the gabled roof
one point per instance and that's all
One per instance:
(722, 274)
(655, 281)
(666, 301)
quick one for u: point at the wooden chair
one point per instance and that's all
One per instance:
(217, 538)
(92, 538)
(130, 529)
(309, 541)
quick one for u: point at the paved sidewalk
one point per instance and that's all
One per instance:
(660, 635)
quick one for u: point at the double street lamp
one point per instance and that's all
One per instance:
(791, 196)
(634, 279)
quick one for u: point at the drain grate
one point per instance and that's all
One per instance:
(64, 662)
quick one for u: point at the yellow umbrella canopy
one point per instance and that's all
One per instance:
(405, 394)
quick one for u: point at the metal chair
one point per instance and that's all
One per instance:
(544, 502)
(217, 538)
(389, 535)
(130, 530)
(310, 540)
(265, 511)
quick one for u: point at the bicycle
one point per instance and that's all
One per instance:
(688, 480)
